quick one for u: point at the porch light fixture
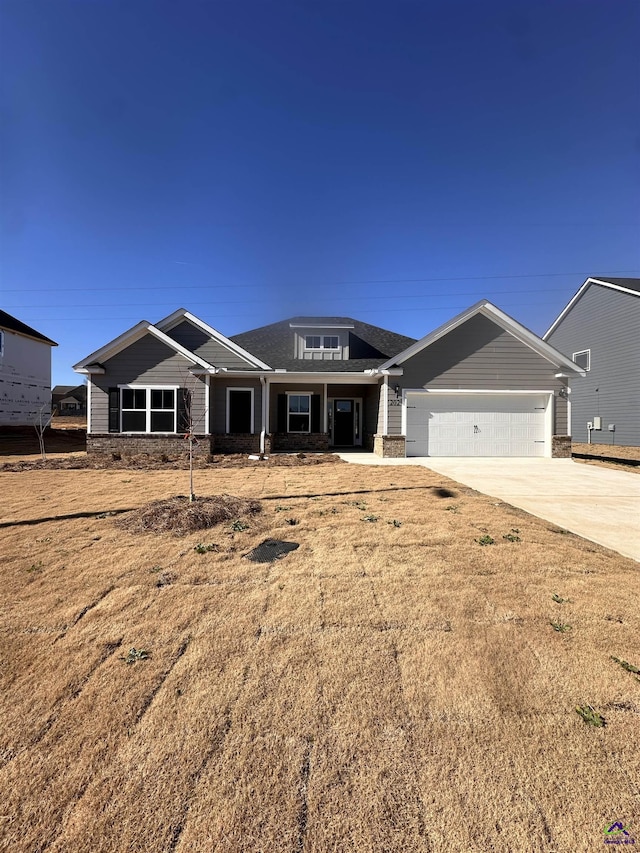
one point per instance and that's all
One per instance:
(564, 393)
(397, 390)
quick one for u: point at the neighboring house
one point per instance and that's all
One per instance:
(25, 372)
(480, 385)
(600, 330)
(69, 400)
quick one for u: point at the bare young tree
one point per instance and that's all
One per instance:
(43, 419)
(190, 422)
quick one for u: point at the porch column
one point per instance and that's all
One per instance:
(325, 419)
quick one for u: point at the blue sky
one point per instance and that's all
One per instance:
(391, 161)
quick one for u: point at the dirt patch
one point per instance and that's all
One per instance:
(610, 453)
(613, 450)
(180, 516)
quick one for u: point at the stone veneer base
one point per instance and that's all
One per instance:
(389, 446)
(561, 447)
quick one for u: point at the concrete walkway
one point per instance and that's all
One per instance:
(600, 504)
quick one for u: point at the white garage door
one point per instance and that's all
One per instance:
(476, 424)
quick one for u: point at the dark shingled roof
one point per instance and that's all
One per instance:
(369, 346)
(629, 283)
(13, 325)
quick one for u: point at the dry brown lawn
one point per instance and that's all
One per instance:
(382, 688)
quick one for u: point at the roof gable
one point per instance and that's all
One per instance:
(502, 320)
(182, 315)
(92, 363)
(623, 285)
(12, 324)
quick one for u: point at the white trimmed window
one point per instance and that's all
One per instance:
(583, 359)
(148, 410)
(331, 342)
(298, 412)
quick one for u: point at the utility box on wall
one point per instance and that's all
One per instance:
(597, 422)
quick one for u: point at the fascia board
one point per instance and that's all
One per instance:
(126, 339)
(503, 320)
(527, 337)
(320, 326)
(342, 376)
(567, 308)
(182, 314)
(115, 346)
(431, 338)
(603, 283)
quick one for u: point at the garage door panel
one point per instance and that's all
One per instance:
(476, 425)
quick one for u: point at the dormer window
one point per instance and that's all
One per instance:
(322, 342)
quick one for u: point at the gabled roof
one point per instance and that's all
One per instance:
(11, 324)
(92, 363)
(182, 314)
(623, 285)
(501, 319)
(369, 345)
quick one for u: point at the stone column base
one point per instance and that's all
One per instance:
(561, 447)
(389, 446)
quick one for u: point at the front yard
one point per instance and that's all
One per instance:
(405, 680)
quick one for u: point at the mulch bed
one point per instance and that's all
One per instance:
(180, 516)
(146, 462)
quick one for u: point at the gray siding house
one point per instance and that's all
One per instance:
(481, 384)
(599, 329)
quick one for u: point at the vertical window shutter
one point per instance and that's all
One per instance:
(282, 412)
(183, 401)
(114, 410)
(315, 413)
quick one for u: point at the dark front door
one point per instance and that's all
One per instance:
(343, 423)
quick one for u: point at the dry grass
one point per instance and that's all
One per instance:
(381, 688)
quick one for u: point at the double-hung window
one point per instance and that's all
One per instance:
(322, 342)
(148, 409)
(299, 412)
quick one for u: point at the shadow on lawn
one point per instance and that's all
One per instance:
(438, 490)
(102, 513)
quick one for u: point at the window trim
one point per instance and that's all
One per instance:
(148, 389)
(307, 394)
(586, 352)
(228, 409)
(322, 347)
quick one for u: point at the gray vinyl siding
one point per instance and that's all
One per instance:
(146, 362)
(219, 402)
(607, 322)
(212, 351)
(479, 355)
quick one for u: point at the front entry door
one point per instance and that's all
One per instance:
(343, 423)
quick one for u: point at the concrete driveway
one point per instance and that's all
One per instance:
(601, 504)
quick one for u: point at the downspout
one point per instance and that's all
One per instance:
(89, 406)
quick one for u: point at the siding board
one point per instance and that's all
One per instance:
(607, 322)
(480, 355)
(146, 362)
(198, 342)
